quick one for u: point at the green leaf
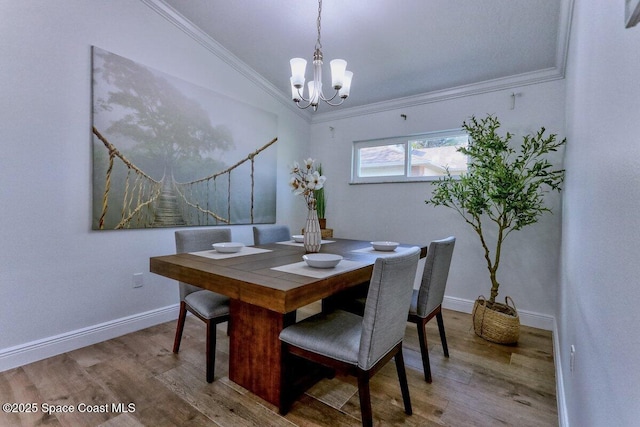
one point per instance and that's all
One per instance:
(503, 185)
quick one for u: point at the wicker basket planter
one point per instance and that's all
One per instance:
(499, 324)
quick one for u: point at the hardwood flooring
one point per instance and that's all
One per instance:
(481, 384)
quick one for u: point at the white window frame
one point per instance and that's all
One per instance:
(399, 140)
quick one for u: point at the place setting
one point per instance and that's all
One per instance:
(298, 240)
(224, 250)
(320, 265)
(382, 248)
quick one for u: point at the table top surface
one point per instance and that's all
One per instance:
(251, 278)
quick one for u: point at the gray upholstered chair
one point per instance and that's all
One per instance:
(357, 345)
(263, 234)
(427, 301)
(210, 307)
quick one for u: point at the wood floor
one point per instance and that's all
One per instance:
(481, 384)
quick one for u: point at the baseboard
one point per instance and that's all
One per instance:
(563, 416)
(527, 318)
(33, 351)
(41, 349)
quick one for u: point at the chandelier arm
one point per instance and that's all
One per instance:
(328, 101)
(301, 96)
(306, 106)
(325, 99)
(335, 104)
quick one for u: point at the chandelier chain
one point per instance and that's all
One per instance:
(318, 44)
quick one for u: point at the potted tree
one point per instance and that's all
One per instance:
(503, 188)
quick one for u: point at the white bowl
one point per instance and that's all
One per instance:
(298, 238)
(385, 246)
(322, 260)
(228, 247)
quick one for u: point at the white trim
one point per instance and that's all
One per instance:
(405, 141)
(23, 354)
(33, 351)
(554, 73)
(564, 34)
(632, 13)
(183, 24)
(535, 77)
(488, 86)
(527, 318)
(563, 416)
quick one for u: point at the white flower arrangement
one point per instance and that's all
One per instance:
(306, 180)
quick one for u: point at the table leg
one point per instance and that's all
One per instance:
(254, 348)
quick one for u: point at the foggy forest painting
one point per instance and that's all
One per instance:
(167, 153)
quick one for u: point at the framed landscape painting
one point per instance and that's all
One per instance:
(167, 153)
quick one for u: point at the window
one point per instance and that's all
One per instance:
(423, 157)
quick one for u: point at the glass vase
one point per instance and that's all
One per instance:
(312, 233)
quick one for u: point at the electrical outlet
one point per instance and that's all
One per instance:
(138, 280)
(572, 357)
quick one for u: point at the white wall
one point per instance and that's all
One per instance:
(56, 275)
(529, 266)
(599, 294)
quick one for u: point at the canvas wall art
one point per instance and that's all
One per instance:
(167, 153)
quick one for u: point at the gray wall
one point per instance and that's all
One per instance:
(529, 266)
(599, 291)
(62, 284)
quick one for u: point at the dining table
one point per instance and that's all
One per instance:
(266, 284)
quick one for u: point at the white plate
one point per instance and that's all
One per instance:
(385, 246)
(298, 238)
(322, 260)
(228, 247)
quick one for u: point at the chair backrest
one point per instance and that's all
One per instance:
(385, 313)
(195, 241)
(263, 234)
(434, 277)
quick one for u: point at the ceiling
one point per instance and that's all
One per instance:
(395, 48)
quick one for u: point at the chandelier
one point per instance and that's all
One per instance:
(340, 78)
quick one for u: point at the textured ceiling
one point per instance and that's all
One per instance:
(395, 48)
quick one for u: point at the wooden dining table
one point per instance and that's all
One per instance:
(267, 284)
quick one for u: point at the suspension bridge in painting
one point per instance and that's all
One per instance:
(148, 203)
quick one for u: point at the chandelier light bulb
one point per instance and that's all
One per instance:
(338, 68)
(346, 85)
(298, 69)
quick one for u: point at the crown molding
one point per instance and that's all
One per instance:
(535, 77)
(182, 23)
(487, 86)
(564, 34)
(554, 73)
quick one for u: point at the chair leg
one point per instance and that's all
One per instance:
(285, 400)
(443, 337)
(404, 385)
(180, 327)
(211, 350)
(422, 338)
(365, 398)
